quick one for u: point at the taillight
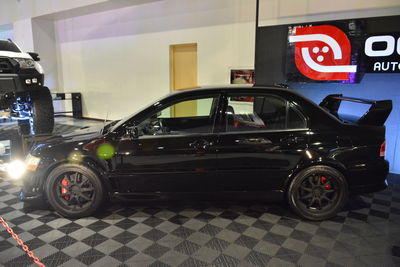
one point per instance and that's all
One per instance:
(383, 149)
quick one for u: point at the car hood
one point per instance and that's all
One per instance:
(15, 54)
(83, 131)
(67, 142)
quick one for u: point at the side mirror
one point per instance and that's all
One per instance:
(35, 56)
(132, 132)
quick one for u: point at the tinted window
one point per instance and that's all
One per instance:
(296, 119)
(182, 118)
(256, 112)
(8, 46)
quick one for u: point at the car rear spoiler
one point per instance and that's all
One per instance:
(376, 115)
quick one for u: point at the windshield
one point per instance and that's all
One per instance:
(127, 118)
(107, 126)
(8, 46)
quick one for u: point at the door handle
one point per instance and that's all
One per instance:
(200, 144)
(253, 141)
(291, 139)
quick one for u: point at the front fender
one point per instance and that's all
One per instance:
(35, 181)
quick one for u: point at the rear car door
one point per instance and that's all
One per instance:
(264, 138)
(175, 150)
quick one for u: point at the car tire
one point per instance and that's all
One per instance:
(74, 191)
(42, 110)
(318, 193)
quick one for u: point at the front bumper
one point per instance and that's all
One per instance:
(31, 186)
(29, 197)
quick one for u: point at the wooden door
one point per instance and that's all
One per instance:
(183, 66)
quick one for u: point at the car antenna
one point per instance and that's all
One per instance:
(105, 120)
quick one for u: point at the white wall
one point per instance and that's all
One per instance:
(6, 32)
(119, 59)
(23, 34)
(13, 10)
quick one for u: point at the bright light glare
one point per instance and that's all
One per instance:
(16, 169)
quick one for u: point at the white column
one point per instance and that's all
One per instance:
(38, 35)
(44, 41)
(23, 35)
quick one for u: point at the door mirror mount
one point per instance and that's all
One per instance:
(35, 56)
(132, 132)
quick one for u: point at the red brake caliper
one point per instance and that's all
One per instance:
(64, 182)
(325, 182)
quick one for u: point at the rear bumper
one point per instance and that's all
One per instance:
(365, 189)
(370, 179)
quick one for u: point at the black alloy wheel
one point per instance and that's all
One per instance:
(74, 190)
(318, 193)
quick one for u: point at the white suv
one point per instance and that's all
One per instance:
(22, 94)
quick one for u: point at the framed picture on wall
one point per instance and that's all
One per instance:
(242, 76)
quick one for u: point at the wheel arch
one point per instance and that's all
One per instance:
(324, 162)
(87, 162)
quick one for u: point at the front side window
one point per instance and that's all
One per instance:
(261, 112)
(189, 116)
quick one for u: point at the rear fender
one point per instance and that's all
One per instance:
(315, 162)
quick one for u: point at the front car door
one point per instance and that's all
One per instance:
(175, 150)
(264, 138)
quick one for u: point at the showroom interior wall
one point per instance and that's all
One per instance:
(114, 56)
(120, 58)
(14, 10)
(127, 50)
(6, 31)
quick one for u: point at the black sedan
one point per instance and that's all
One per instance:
(268, 140)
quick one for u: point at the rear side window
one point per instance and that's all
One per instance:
(261, 112)
(8, 46)
(295, 119)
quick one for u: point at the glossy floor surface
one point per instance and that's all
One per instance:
(201, 233)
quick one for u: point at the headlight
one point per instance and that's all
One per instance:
(16, 169)
(32, 162)
(39, 68)
(25, 63)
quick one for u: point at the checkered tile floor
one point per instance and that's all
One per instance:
(211, 233)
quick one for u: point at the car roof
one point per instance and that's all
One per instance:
(233, 87)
